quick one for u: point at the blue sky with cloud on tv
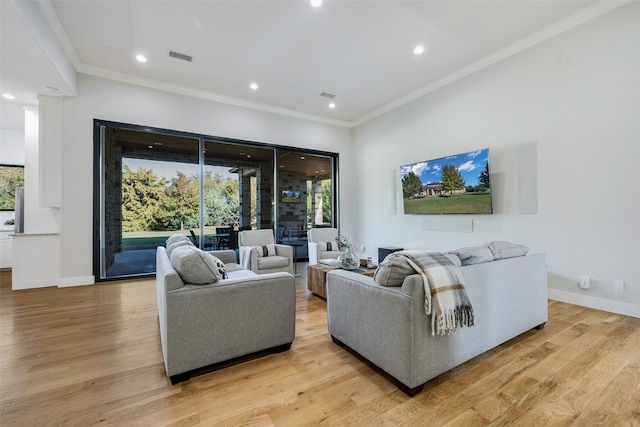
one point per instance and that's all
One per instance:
(470, 166)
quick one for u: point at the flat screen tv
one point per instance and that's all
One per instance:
(291, 196)
(458, 184)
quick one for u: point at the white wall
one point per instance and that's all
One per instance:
(109, 100)
(12, 146)
(578, 96)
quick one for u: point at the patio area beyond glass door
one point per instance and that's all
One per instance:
(151, 189)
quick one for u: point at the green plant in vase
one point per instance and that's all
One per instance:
(348, 259)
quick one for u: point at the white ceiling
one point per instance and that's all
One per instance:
(361, 51)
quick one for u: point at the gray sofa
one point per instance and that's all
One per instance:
(389, 327)
(202, 325)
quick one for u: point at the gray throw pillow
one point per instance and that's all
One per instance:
(473, 255)
(196, 266)
(392, 271)
(502, 250)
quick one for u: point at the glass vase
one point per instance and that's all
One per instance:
(348, 260)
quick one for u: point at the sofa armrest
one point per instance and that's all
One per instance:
(207, 324)
(313, 253)
(226, 255)
(375, 321)
(284, 250)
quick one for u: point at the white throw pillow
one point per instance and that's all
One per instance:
(196, 266)
(327, 246)
(266, 250)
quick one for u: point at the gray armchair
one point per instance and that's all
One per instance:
(212, 324)
(253, 243)
(317, 252)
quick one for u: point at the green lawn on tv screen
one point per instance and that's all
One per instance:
(462, 204)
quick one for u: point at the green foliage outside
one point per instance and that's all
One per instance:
(326, 201)
(451, 180)
(483, 179)
(152, 203)
(10, 178)
(411, 185)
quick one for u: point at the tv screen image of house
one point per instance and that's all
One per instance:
(458, 184)
(291, 196)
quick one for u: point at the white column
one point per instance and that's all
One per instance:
(37, 219)
(50, 148)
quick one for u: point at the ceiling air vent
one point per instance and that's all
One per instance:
(181, 56)
(328, 95)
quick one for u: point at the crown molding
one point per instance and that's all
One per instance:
(210, 96)
(547, 33)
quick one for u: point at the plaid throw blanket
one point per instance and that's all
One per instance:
(445, 298)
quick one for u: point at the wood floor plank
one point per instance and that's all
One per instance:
(91, 356)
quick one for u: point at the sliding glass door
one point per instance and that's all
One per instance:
(149, 190)
(151, 183)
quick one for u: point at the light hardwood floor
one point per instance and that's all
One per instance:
(91, 356)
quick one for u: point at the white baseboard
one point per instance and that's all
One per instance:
(76, 281)
(604, 304)
(33, 284)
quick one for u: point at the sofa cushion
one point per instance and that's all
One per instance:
(473, 255)
(329, 254)
(232, 266)
(392, 271)
(266, 263)
(176, 244)
(502, 250)
(240, 274)
(327, 246)
(266, 250)
(176, 238)
(197, 267)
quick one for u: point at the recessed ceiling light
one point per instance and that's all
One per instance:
(316, 3)
(141, 58)
(301, 157)
(8, 96)
(332, 105)
(419, 50)
(254, 86)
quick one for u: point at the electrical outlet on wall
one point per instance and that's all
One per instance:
(618, 286)
(585, 282)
